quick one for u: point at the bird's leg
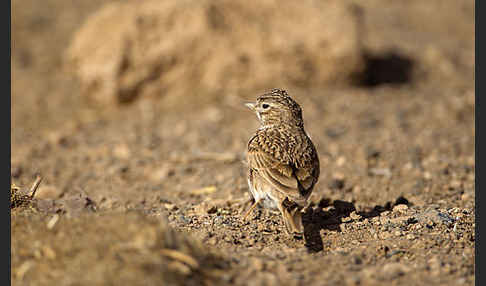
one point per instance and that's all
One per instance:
(251, 209)
(292, 217)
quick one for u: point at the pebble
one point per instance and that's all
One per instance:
(385, 235)
(23, 268)
(454, 229)
(342, 227)
(385, 172)
(52, 222)
(401, 208)
(213, 240)
(408, 166)
(416, 226)
(454, 210)
(346, 219)
(455, 184)
(160, 173)
(122, 151)
(431, 217)
(170, 207)
(459, 216)
(48, 252)
(341, 161)
(184, 219)
(385, 213)
(467, 196)
(355, 216)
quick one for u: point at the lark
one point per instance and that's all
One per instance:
(283, 164)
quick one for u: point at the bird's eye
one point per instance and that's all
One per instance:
(265, 106)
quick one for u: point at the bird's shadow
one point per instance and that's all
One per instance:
(316, 219)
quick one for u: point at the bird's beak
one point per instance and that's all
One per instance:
(251, 106)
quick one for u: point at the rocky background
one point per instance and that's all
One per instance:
(132, 113)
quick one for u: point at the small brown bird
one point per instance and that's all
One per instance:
(282, 161)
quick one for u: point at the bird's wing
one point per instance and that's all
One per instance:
(282, 175)
(307, 178)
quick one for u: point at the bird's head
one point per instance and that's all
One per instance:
(277, 108)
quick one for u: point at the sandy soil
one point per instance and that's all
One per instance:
(150, 192)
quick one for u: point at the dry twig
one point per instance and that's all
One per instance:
(179, 256)
(34, 187)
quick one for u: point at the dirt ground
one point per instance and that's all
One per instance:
(150, 192)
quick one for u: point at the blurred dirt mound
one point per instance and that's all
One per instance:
(144, 251)
(431, 41)
(188, 47)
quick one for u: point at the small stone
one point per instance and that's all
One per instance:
(461, 281)
(455, 184)
(52, 222)
(410, 236)
(385, 172)
(160, 173)
(454, 210)
(416, 226)
(171, 207)
(385, 213)
(48, 252)
(356, 189)
(385, 235)
(122, 151)
(459, 216)
(212, 210)
(355, 216)
(342, 227)
(467, 196)
(346, 219)
(341, 161)
(408, 166)
(401, 208)
(23, 268)
(213, 240)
